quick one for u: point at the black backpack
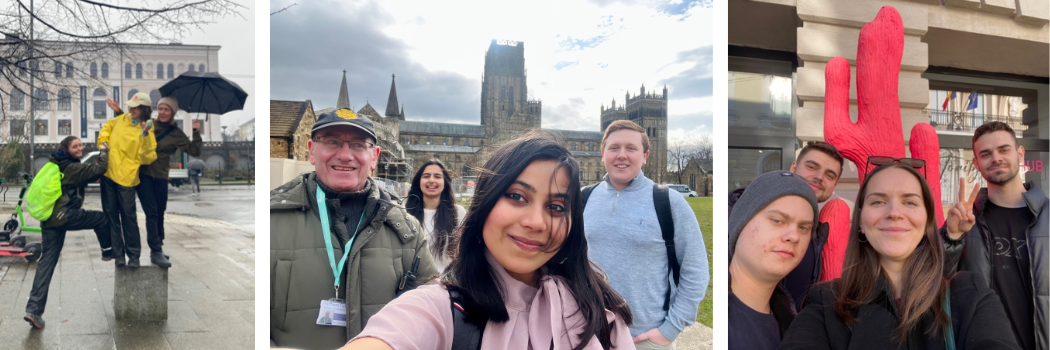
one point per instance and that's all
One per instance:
(663, 214)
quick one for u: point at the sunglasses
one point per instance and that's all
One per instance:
(912, 162)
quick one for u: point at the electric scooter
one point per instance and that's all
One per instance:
(12, 243)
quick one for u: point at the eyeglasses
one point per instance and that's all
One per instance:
(915, 163)
(332, 143)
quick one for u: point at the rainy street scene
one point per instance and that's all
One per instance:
(127, 175)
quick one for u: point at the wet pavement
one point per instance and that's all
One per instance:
(211, 292)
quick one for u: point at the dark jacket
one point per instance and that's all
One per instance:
(978, 320)
(75, 175)
(301, 275)
(166, 146)
(781, 305)
(971, 253)
(816, 241)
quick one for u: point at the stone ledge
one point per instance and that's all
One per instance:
(821, 46)
(809, 86)
(855, 14)
(140, 293)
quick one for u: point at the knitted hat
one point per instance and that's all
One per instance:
(760, 193)
(171, 102)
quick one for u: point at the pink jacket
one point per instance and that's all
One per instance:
(422, 319)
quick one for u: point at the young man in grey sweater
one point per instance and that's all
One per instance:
(625, 240)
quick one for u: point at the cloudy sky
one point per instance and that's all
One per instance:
(579, 55)
(236, 57)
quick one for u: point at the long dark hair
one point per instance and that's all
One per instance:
(444, 219)
(470, 272)
(66, 143)
(922, 276)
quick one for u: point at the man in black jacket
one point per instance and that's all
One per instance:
(1001, 234)
(67, 216)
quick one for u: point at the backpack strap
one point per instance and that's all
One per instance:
(587, 192)
(663, 213)
(465, 335)
(165, 133)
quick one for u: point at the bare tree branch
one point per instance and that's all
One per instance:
(282, 10)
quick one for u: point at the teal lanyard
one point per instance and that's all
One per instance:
(326, 230)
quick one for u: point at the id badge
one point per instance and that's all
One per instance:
(333, 313)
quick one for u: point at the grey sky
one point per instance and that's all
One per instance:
(236, 58)
(579, 57)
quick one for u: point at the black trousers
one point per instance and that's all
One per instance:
(119, 204)
(195, 184)
(153, 194)
(53, 240)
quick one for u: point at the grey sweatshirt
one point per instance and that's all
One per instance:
(624, 239)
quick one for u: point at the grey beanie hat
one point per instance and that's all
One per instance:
(760, 193)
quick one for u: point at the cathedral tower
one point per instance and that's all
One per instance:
(505, 108)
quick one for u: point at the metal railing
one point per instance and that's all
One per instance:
(968, 121)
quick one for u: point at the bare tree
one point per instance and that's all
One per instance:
(686, 152)
(47, 45)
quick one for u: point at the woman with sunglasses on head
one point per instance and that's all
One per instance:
(521, 271)
(892, 294)
(153, 178)
(432, 202)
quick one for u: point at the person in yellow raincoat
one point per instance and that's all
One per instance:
(131, 144)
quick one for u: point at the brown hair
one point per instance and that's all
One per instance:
(66, 142)
(823, 147)
(991, 127)
(922, 276)
(626, 125)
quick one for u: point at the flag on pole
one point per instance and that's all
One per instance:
(973, 101)
(951, 95)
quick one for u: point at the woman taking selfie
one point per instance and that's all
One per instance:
(521, 274)
(432, 202)
(892, 294)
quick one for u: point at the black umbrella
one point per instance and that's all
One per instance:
(205, 93)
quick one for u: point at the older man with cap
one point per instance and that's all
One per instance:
(769, 230)
(131, 143)
(339, 245)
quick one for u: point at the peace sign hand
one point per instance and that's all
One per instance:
(960, 216)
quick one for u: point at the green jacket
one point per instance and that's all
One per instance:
(175, 139)
(301, 275)
(75, 175)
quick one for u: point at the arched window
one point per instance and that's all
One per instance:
(64, 99)
(573, 146)
(21, 69)
(190, 69)
(99, 102)
(154, 96)
(467, 143)
(34, 67)
(40, 100)
(127, 71)
(58, 69)
(131, 93)
(138, 71)
(18, 100)
(94, 69)
(200, 68)
(467, 171)
(105, 70)
(69, 69)
(160, 71)
(171, 71)
(590, 147)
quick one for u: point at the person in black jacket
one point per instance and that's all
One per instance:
(67, 216)
(892, 294)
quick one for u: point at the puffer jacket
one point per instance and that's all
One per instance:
(971, 253)
(75, 175)
(301, 275)
(173, 140)
(128, 149)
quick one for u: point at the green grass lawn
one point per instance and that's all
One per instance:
(702, 209)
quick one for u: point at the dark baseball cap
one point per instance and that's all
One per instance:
(346, 117)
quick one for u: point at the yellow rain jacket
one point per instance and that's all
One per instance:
(128, 149)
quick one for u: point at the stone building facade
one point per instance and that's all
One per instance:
(648, 110)
(290, 125)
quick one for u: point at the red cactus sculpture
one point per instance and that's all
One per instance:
(878, 130)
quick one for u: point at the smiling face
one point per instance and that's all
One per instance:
(821, 172)
(774, 241)
(893, 216)
(76, 149)
(433, 181)
(164, 113)
(623, 156)
(529, 216)
(343, 170)
(997, 157)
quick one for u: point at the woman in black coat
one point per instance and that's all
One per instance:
(892, 293)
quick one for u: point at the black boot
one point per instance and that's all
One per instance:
(120, 261)
(34, 320)
(107, 254)
(133, 262)
(158, 258)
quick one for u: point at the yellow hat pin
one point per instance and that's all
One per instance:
(346, 114)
